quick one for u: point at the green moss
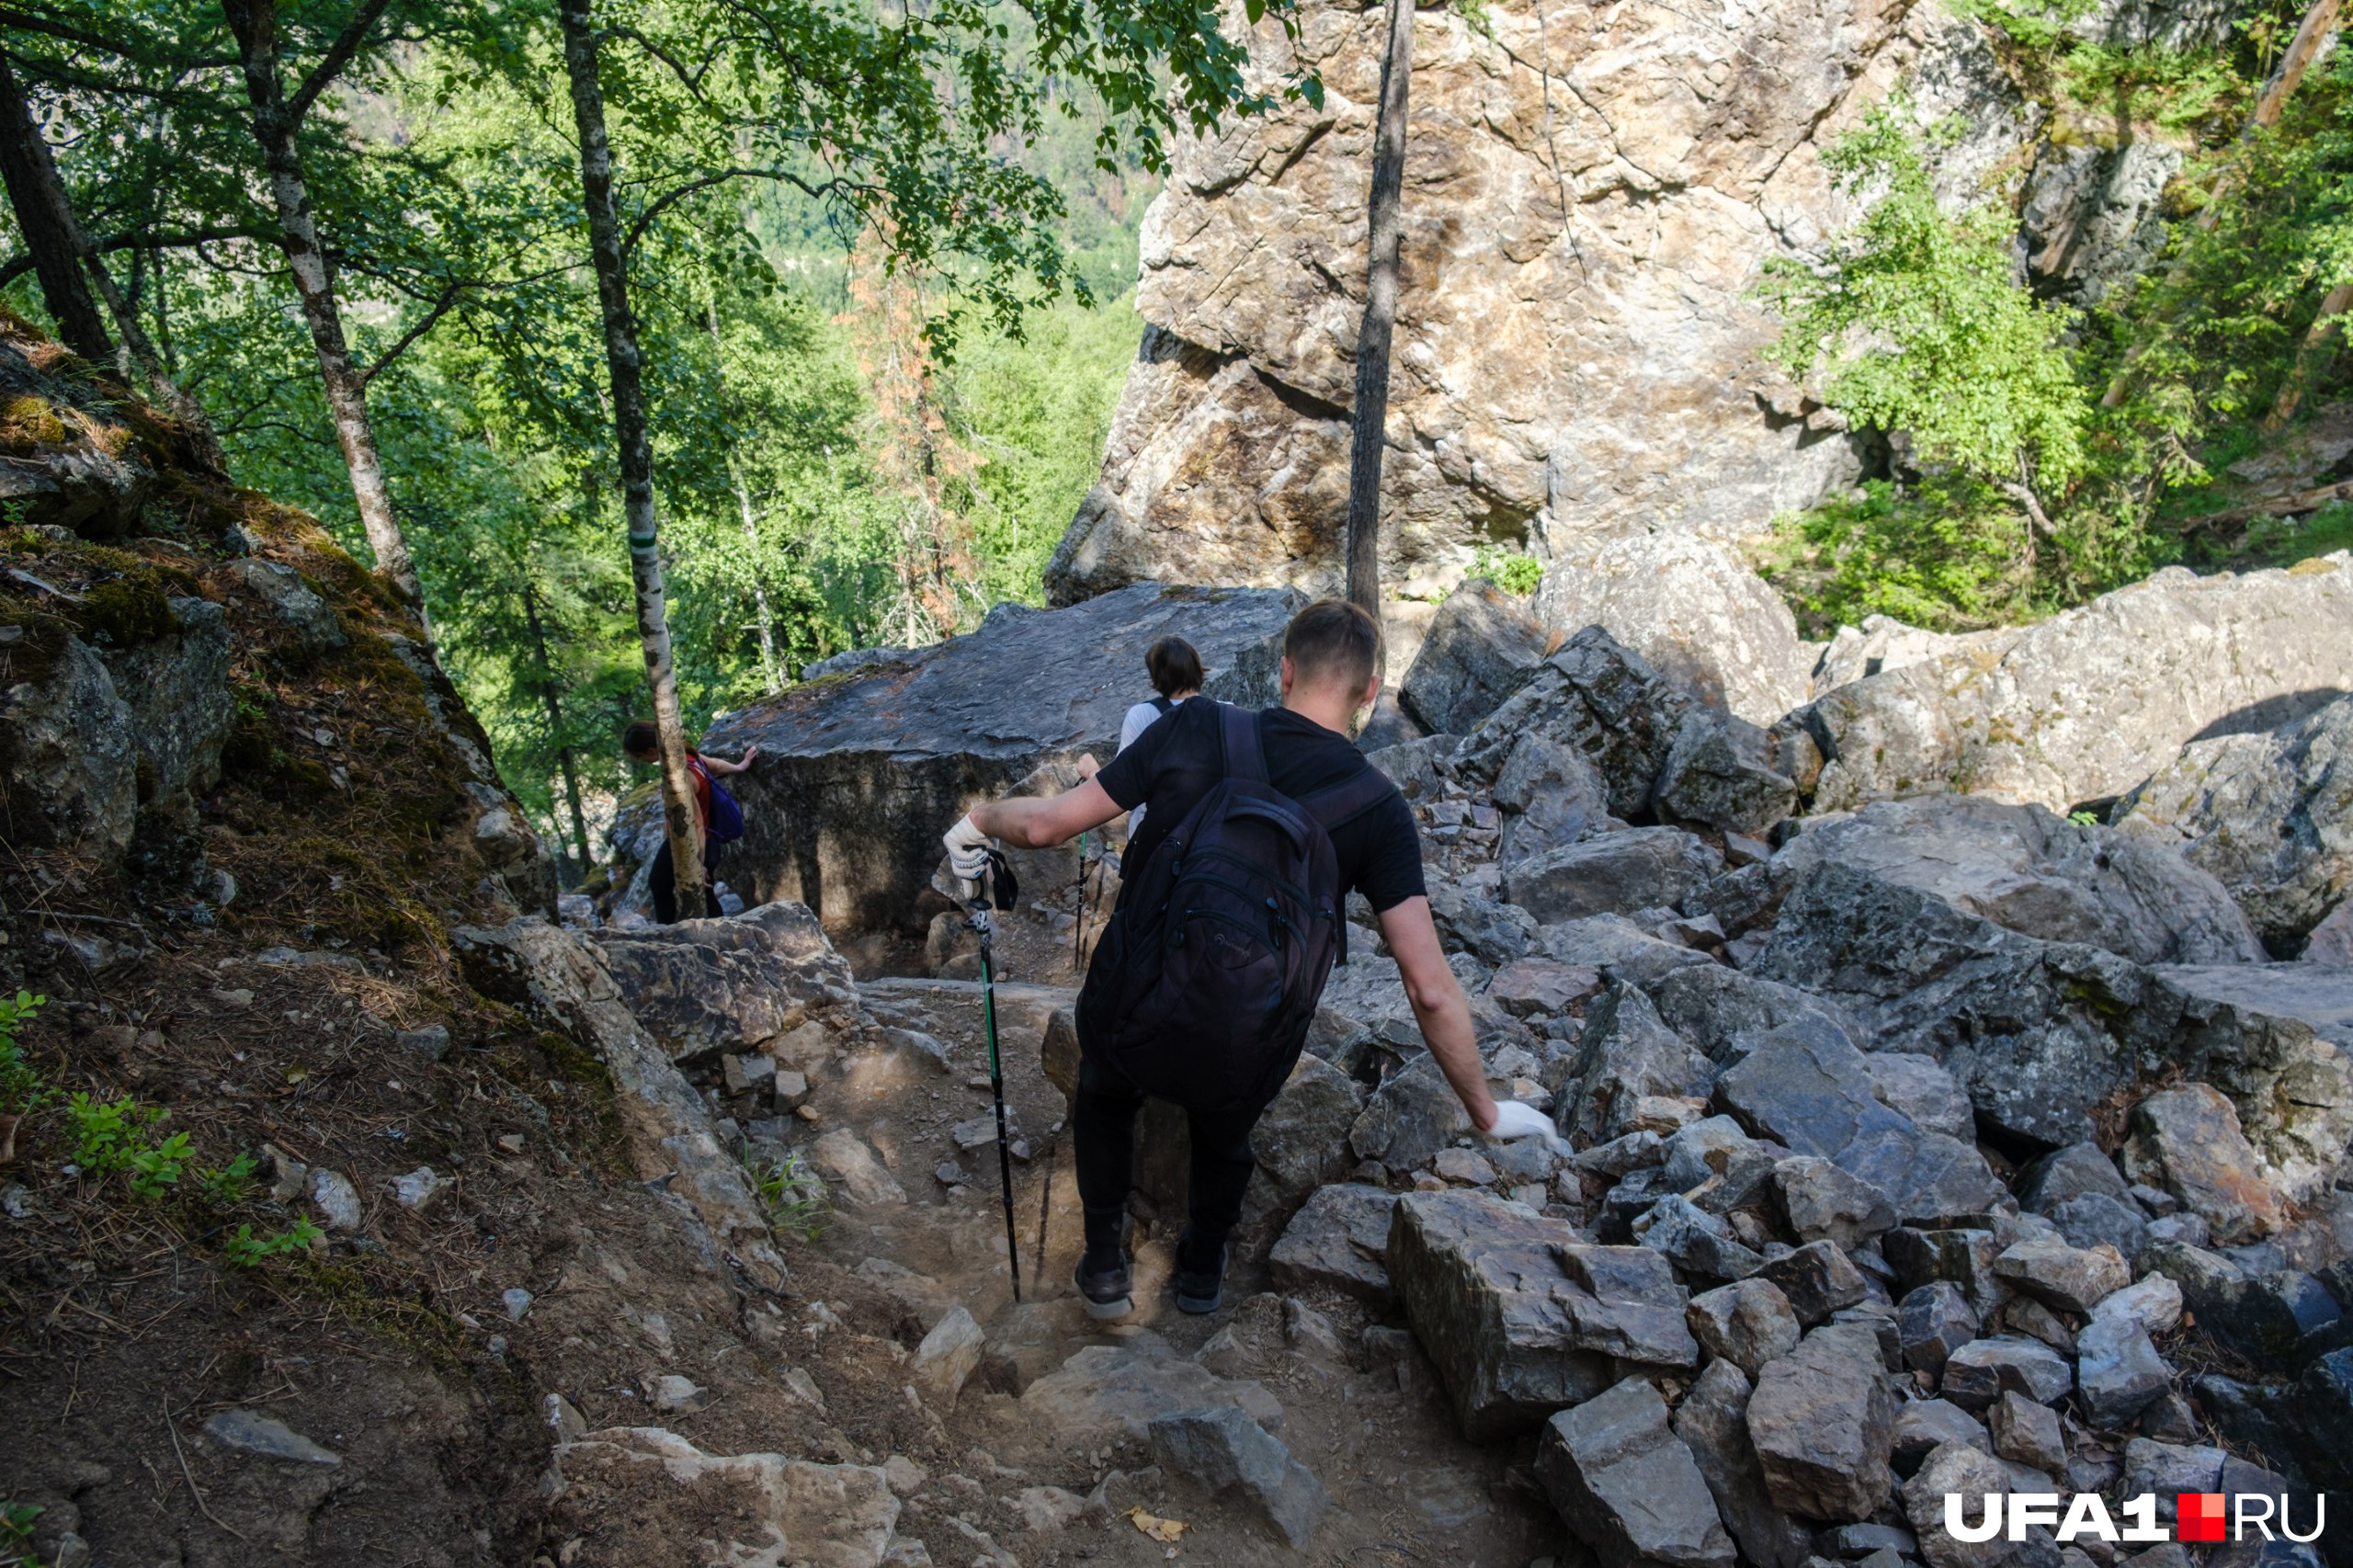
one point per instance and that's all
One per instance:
(572, 1059)
(29, 420)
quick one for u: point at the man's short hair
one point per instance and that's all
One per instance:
(641, 737)
(1175, 666)
(1333, 639)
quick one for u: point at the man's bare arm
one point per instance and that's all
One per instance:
(1039, 822)
(1438, 1005)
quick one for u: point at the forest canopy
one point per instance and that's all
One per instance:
(879, 257)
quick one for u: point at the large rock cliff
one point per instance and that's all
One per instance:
(1589, 194)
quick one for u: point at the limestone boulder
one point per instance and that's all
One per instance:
(2039, 1033)
(1302, 1141)
(861, 773)
(2085, 706)
(1599, 699)
(1690, 607)
(1616, 873)
(2270, 815)
(1626, 1485)
(1477, 651)
(1551, 796)
(1578, 338)
(1520, 1317)
(1712, 1422)
(1338, 1240)
(72, 756)
(731, 985)
(1722, 772)
(1823, 1419)
(2033, 871)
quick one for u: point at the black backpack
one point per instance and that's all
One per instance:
(1206, 982)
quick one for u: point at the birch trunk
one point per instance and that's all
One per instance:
(623, 364)
(255, 23)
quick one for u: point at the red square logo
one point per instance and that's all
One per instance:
(2200, 1515)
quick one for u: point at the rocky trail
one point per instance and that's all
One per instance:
(1951, 1070)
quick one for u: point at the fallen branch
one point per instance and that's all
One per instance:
(2285, 506)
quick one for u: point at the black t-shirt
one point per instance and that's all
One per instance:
(1180, 758)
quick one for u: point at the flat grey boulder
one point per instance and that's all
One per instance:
(1621, 949)
(1339, 1239)
(1626, 1056)
(1551, 796)
(1479, 649)
(2087, 704)
(1520, 1316)
(1627, 1486)
(1409, 1119)
(251, 1432)
(1302, 1140)
(2034, 872)
(2269, 814)
(1723, 1011)
(1223, 1452)
(1104, 1392)
(861, 773)
(1806, 1087)
(731, 985)
(1616, 873)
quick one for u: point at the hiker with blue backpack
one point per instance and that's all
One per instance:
(718, 817)
(1229, 918)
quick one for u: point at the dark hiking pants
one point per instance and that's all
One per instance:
(1103, 1131)
(664, 884)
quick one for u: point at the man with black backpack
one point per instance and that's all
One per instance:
(718, 816)
(1229, 921)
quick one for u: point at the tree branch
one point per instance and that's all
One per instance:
(179, 240)
(834, 187)
(338, 55)
(440, 308)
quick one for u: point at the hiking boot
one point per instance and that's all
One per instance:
(1105, 1284)
(1199, 1289)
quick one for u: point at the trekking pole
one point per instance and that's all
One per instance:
(1004, 892)
(1078, 931)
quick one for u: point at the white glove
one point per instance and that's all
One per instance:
(968, 851)
(1516, 1119)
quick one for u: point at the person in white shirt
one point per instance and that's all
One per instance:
(1176, 670)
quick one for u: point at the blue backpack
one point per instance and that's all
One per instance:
(726, 823)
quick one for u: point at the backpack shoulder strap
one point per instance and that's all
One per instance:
(1162, 706)
(1238, 728)
(1351, 797)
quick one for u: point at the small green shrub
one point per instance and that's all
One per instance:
(21, 1087)
(225, 1187)
(1517, 575)
(120, 1135)
(793, 1195)
(245, 1250)
(16, 1521)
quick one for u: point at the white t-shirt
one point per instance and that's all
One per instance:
(1140, 718)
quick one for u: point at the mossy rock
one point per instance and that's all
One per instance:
(29, 420)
